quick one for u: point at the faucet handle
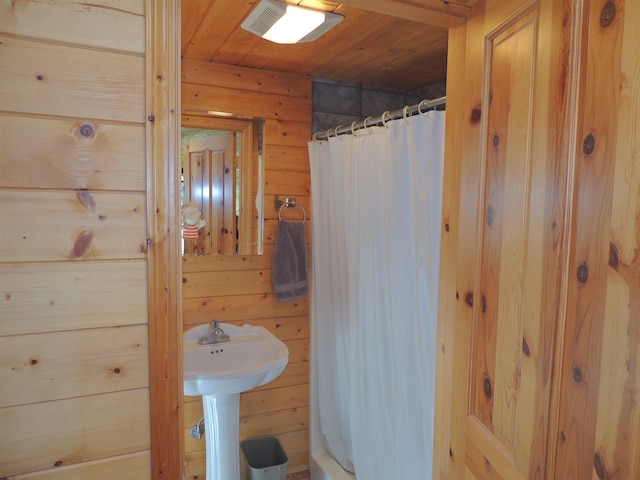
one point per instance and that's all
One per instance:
(214, 326)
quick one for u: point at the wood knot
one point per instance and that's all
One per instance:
(86, 199)
(614, 260)
(599, 466)
(608, 14)
(476, 114)
(525, 347)
(488, 388)
(87, 130)
(490, 215)
(577, 375)
(82, 244)
(583, 273)
(468, 299)
(589, 144)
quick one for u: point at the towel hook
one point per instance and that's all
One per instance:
(289, 203)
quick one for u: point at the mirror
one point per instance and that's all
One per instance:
(222, 178)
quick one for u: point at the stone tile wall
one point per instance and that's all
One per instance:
(341, 103)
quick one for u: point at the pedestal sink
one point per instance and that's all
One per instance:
(219, 373)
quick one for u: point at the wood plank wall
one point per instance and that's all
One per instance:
(237, 289)
(74, 366)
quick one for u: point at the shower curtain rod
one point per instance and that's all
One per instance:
(381, 119)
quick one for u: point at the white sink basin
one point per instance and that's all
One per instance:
(252, 357)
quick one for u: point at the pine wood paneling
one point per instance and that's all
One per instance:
(288, 158)
(389, 43)
(75, 21)
(599, 415)
(428, 11)
(238, 289)
(203, 98)
(72, 225)
(134, 466)
(287, 133)
(53, 366)
(75, 154)
(70, 81)
(73, 216)
(52, 434)
(201, 284)
(295, 183)
(249, 79)
(70, 296)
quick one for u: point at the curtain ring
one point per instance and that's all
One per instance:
(335, 131)
(384, 124)
(420, 106)
(365, 122)
(353, 126)
(404, 112)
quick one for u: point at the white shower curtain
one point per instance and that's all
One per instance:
(377, 201)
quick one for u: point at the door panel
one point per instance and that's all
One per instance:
(504, 376)
(546, 337)
(510, 264)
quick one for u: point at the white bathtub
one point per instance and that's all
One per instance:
(324, 467)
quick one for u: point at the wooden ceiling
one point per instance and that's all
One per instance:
(390, 43)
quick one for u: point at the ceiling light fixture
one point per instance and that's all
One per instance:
(283, 23)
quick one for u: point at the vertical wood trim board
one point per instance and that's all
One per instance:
(450, 228)
(164, 266)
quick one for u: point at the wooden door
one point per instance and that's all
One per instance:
(210, 182)
(510, 264)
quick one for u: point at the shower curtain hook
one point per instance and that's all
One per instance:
(335, 132)
(364, 124)
(404, 111)
(384, 124)
(353, 127)
(420, 106)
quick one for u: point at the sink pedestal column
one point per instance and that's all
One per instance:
(222, 433)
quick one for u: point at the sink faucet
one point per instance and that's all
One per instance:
(215, 335)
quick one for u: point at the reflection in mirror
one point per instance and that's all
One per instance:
(222, 178)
